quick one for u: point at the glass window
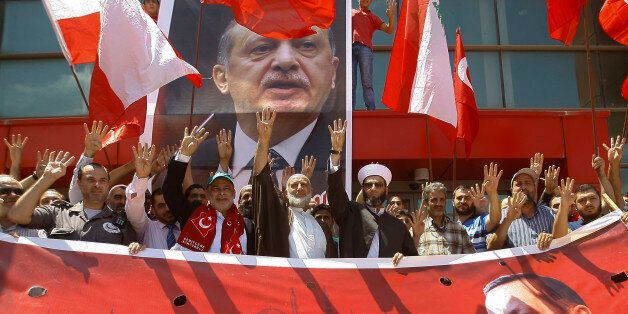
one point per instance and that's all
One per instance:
(524, 23)
(476, 19)
(613, 68)
(542, 79)
(380, 67)
(41, 88)
(27, 29)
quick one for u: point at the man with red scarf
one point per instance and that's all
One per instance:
(216, 227)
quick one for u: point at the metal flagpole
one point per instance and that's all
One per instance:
(623, 131)
(429, 149)
(78, 83)
(590, 79)
(454, 214)
(196, 53)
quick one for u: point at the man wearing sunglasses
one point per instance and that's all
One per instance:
(10, 191)
(365, 230)
(89, 220)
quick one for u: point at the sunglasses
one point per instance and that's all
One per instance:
(370, 185)
(7, 191)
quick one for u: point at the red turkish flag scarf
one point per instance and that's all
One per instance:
(200, 231)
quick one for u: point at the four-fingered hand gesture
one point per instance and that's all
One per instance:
(616, 151)
(265, 121)
(308, 164)
(491, 178)
(515, 202)
(391, 7)
(16, 147)
(223, 141)
(551, 179)
(191, 141)
(477, 195)
(536, 163)
(57, 165)
(338, 134)
(143, 155)
(93, 138)
(567, 196)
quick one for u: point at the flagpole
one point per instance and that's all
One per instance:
(198, 37)
(429, 150)
(596, 149)
(454, 214)
(78, 83)
(623, 131)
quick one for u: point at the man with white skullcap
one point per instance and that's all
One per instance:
(365, 230)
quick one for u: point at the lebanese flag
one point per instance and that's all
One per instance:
(134, 59)
(614, 20)
(281, 19)
(419, 78)
(563, 17)
(468, 117)
(77, 26)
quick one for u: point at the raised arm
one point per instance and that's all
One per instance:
(337, 195)
(42, 161)
(491, 182)
(92, 144)
(391, 10)
(615, 153)
(265, 121)
(22, 211)
(567, 199)
(15, 153)
(225, 149)
(514, 211)
(135, 192)
(551, 184)
(173, 192)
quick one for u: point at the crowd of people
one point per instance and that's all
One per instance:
(163, 208)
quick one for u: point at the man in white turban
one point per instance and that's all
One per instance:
(365, 230)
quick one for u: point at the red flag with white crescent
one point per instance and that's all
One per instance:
(468, 117)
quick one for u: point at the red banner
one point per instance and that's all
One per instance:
(78, 279)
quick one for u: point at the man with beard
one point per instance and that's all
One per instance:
(116, 199)
(245, 201)
(89, 220)
(283, 228)
(163, 232)
(479, 225)
(528, 224)
(437, 234)
(196, 193)
(10, 191)
(365, 230)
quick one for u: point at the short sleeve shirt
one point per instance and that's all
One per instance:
(476, 228)
(364, 24)
(525, 231)
(450, 239)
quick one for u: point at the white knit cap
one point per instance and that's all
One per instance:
(375, 170)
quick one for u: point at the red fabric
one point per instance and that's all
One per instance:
(281, 19)
(563, 17)
(624, 89)
(363, 25)
(81, 36)
(468, 116)
(403, 57)
(614, 20)
(104, 105)
(200, 231)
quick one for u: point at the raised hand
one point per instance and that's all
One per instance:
(93, 138)
(598, 164)
(616, 151)
(338, 134)
(57, 165)
(223, 140)
(491, 178)
(544, 240)
(143, 155)
(418, 222)
(191, 141)
(42, 161)
(265, 121)
(16, 147)
(551, 179)
(515, 203)
(288, 171)
(536, 163)
(308, 164)
(477, 194)
(567, 196)
(391, 7)
(393, 209)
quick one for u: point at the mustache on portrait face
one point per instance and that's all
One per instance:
(289, 79)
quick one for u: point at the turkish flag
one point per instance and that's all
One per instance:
(614, 20)
(563, 17)
(281, 19)
(468, 117)
(77, 27)
(134, 59)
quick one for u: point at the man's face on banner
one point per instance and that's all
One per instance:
(294, 75)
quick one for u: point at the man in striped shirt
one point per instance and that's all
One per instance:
(524, 222)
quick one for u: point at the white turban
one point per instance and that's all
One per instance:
(375, 170)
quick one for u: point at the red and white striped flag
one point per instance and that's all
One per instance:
(77, 26)
(419, 73)
(134, 59)
(468, 116)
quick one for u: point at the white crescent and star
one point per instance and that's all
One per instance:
(462, 72)
(202, 225)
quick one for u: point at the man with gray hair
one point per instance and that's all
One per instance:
(283, 227)
(434, 232)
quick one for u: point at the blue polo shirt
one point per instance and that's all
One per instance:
(476, 228)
